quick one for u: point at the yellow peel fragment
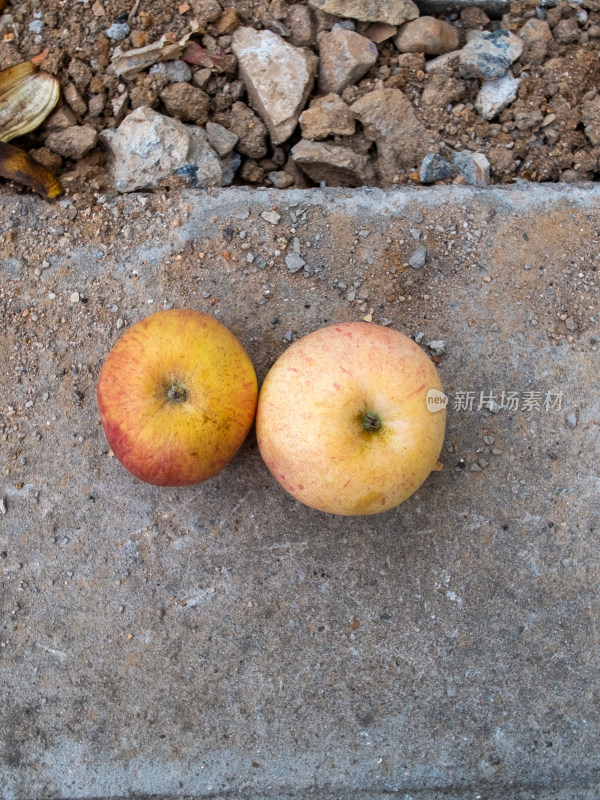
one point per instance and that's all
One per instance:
(17, 165)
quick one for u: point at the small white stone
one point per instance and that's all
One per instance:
(271, 216)
(495, 96)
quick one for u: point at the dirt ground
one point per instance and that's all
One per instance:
(550, 132)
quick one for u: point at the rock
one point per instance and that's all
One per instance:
(229, 166)
(419, 257)
(489, 55)
(186, 102)
(474, 167)
(571, 420)
(495, 96)
(294, 262)
(252, 172)
(445, 64)
(438, 347)
(148, 149)
(389, 120)
(300, 25)
(327, 116)
(74, 99)
(473, 18)
(567, 31)
(119, 106)
(440, 90)
(281, 180)
(590, 116)
(394, 12)
(118, 31)
(528, 119)
(427, 35)
(62, 118)
(175, 71)
(278, 78)
(206, 11)
(75, 142)
(536, 35)
(202, 77)
(250, 130)
(96, 105)
(47, 158)
(336, 166)
(380, 32)
(435, 168)
(345, 57)
(146, 90)
(570, 324)
(80, 73)
(271, 216)
(220, 139)
(227, 22)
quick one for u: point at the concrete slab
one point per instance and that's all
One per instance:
(225, 641)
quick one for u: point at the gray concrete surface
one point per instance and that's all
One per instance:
(224, 641)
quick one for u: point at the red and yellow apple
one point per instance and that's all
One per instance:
(177, 396)
(343, 420)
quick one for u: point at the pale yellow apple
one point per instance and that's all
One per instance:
(177, 396)
(343, 421)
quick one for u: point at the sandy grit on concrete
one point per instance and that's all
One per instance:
(224, 641)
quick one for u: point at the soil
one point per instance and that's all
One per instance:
(549, 133)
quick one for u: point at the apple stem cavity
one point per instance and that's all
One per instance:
(371, 422)
(177, 393)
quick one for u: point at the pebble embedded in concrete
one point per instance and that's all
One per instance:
(419, 257)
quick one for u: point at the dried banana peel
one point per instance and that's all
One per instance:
(27, 96)
(17, 165)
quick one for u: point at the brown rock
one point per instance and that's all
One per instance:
(441, 90)
(186, 103)
(567, 31)
(502, 162)
(281, 180)
(345, 57)
(590, 115)
(202, 77)
(61, 119)
(536, 35)
(206, 11)
(427, 35)
(394, 12)
(227, 22)
(473, 18)
(250, 130)
(74, 99)
(147, 90)
(252, 172)
(47, 158)
(300, 25)
(96, 105)
(380, 32)
(326, 116)
(80, 73)
(337, 166)
(390, 121)
(74, 142)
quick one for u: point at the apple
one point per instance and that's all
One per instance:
(344, 421)
(177, 396)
